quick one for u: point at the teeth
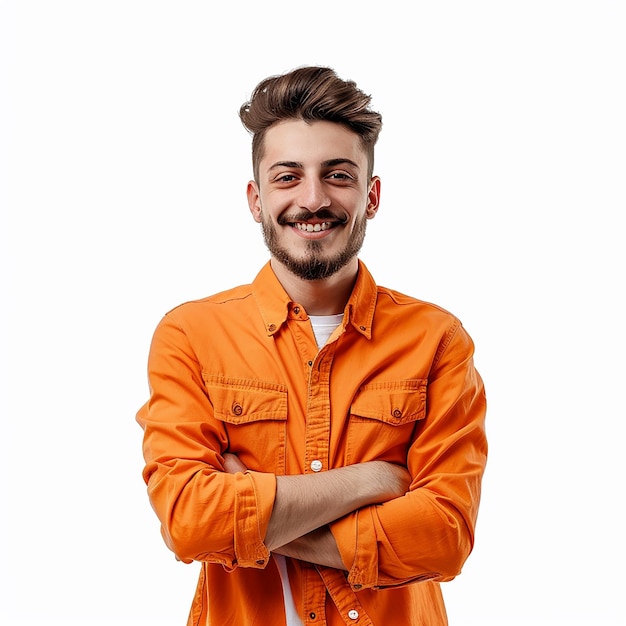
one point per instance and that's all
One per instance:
(313, 228)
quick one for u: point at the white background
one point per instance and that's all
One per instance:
(122, 191)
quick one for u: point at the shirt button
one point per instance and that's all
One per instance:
(237, 409)
(316, 465)
(397, 413)
(353, 614)
(296, 309)
(271, 328)
(312, 615)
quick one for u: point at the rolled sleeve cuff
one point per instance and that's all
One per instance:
(254, 500)
(355, 536)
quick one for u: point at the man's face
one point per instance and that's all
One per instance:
(313, 197)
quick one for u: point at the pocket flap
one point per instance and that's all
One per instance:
(397, 402)
(238, 401)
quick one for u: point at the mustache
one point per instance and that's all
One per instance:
(325, 215)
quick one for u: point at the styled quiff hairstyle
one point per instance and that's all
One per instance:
(309, 94)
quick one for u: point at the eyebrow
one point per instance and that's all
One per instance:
(299, 165)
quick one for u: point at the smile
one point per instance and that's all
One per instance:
(312, 228)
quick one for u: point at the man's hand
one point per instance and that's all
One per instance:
(233, 464)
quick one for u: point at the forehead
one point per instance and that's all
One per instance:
(311, 142)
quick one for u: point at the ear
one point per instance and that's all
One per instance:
(373, 198)
(254, 200)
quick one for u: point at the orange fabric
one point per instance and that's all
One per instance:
(240, 371)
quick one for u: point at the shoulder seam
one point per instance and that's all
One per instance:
(456, 323)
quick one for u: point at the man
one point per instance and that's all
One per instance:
(314, 440)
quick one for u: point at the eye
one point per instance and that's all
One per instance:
(340, 177)
(285, 178)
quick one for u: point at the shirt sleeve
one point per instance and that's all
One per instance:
(206, 514)
(428, 533)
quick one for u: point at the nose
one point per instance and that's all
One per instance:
(312, 195)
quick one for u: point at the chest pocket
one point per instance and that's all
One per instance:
(254, 414)
(383, 416)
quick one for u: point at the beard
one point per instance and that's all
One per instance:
(314, 264)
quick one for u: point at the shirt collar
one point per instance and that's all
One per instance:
(272, 299)
(276, 305)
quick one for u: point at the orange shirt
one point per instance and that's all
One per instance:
(240, 372)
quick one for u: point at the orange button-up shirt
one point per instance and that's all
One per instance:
(241, 372)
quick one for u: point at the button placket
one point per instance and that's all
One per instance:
(314, 593)
(318, 412)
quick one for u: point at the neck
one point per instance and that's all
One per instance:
(319, 297)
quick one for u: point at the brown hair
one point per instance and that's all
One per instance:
(310, 94)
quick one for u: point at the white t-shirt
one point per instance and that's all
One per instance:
(324, 326)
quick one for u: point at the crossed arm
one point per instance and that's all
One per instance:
(305, 504)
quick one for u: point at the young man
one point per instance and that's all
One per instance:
(314, 440)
